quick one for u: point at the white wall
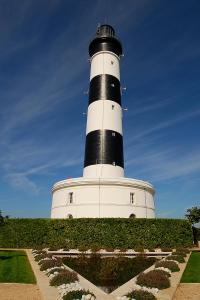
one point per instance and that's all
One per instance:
(103, 171)
(105, 200)
(104, 114)
(105, 62)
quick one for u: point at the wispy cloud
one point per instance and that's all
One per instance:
(166, 124)
(165, 165)
(146, 107)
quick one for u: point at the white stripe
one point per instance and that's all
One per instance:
(104, 114)
(103, 170)
(105, 63)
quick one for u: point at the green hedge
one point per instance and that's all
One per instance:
(114, 233)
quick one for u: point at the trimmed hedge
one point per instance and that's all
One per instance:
(91, 233)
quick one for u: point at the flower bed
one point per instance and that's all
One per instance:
(66, 281)
(140, 295)
(145, 287)
(108, 272)
(157, 279)
(154, 279)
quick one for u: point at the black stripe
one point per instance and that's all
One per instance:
(105, 87)
(105, 44)
(104, 147)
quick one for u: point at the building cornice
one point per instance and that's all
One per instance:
(123, 182)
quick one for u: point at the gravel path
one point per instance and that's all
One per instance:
(188, 291)
(16, 291)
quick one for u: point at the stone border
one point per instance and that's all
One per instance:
(168, 294)
(48, 292)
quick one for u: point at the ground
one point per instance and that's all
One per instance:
(188, 291)
(15, 291)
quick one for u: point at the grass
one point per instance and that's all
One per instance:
(15, 267)
(192, 270)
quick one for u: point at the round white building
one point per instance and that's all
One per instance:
(103, 191)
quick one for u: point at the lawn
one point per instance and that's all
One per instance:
(192, 270)
(15, 267)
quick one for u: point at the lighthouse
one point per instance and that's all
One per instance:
(104, 139)
(103, 191)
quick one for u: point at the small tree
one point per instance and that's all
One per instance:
(2, 219)
(193, 214)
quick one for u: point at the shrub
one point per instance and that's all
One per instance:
(109, 249)
(179, 253)
(63, 277)
(164, 272)
(40, 256)
(122, 249)
(182, 250)
(56, 269)
(50, 263)
(155, 279)
(141, 295)
(83, 248)
(77, 295)
(178, 258)
(42, 260)
(139, 249)
(105, 232)
(171, 265)
(166, 249)
(53, 249)
(39, 252)
(95, 248)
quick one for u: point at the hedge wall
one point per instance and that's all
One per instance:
(113, 233)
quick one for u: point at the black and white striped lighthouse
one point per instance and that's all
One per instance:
(104, 139)
(103, 191)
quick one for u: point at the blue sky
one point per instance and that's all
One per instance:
(44, 72)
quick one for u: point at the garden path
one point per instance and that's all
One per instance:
(19, 291)
(48, 292)
(187, 291)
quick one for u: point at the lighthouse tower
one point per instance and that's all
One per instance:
(104, 139)
(103, 191)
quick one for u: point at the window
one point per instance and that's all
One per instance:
(113, 133)
(132, 198)
(112, 62)
(71, 197)
(112, 84)
(113, 163)
(113, 107)
(133, 216)
(70, 216)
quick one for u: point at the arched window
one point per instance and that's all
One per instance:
(133, 216)
(70, 216)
